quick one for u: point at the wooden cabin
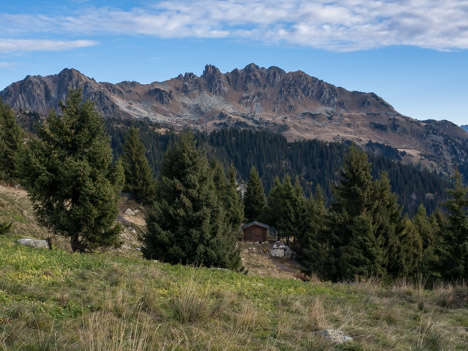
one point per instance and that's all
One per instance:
(255, 231)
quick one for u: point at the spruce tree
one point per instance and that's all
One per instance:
(70, 177)
(139, 179)
(311, 243)
(233, 202)
(390, 227)
(187, 223)
(254, 200)
(454, 247)
(367, 233)
(352, 204)
(273, 207)
(427, 229)
(11, 144)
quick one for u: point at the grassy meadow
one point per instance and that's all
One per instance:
(57, 300)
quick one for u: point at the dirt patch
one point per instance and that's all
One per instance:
(256, 258)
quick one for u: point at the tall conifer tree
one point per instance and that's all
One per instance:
(11, 144)
(233, 202)
(71, 179)
(454, 248)
(254, 200)
(188, 221)
(139, 179)
(427, 229)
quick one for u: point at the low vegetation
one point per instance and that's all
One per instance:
(59, 300)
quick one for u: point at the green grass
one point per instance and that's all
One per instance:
(56, 300)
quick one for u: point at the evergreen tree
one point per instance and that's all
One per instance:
(11, 144)
(427, 229)
(311, 243)
(233, 202)
(367, 235)
(454, 247)
(352, 204)
(138, 175)
(390, 226)
(254, 200)
(70, 177)
(362, 255)
(188, 221)
(273, 207)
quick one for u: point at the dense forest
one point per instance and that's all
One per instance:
(314, 162)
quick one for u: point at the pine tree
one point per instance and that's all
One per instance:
(11, 144)
(367, 235)
(70, 176)
(350, 212)
(390, 226)
(273, 207)
(311, 243)
(233, 202)
(139, 179)
(254, 200)
(427, 229)
(187, 223)
(454, 247)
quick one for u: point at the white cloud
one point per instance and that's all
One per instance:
(22, 45)
(7, 64)
(342, 25)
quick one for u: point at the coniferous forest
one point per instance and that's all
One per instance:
(345, 213)
(315, 163)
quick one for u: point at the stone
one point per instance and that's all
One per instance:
(129, 212)
(34, 243)
(335, 336)
(279, 249)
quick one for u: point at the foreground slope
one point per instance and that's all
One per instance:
(291, 103)
(56, 300)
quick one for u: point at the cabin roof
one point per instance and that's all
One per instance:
(255, 223)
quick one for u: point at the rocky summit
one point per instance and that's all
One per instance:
(291, 103)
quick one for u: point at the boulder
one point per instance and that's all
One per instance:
(335, 336)
(280, 250)
(37, 244)
(129, 212)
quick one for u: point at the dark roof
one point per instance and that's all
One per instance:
(251, 224)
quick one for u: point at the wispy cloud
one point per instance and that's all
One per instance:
(341, 25)
(7, 64)
(22, 45)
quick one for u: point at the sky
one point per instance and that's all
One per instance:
(413, 53)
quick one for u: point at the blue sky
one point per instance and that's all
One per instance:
(413, 53)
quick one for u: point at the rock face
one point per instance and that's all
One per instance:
(291, 103)
(37, 244)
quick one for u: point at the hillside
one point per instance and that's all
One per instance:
(56, 300)
(291, 103)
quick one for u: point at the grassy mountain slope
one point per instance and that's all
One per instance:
(56, 300)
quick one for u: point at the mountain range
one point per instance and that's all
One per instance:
(293, 104)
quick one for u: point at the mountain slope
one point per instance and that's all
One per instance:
(294, 104)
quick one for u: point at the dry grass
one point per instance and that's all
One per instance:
(55, 300)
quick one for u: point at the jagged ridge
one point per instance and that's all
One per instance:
(292, 103)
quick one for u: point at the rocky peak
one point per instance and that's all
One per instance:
(215, 80)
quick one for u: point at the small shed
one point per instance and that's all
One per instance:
(255, 231)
